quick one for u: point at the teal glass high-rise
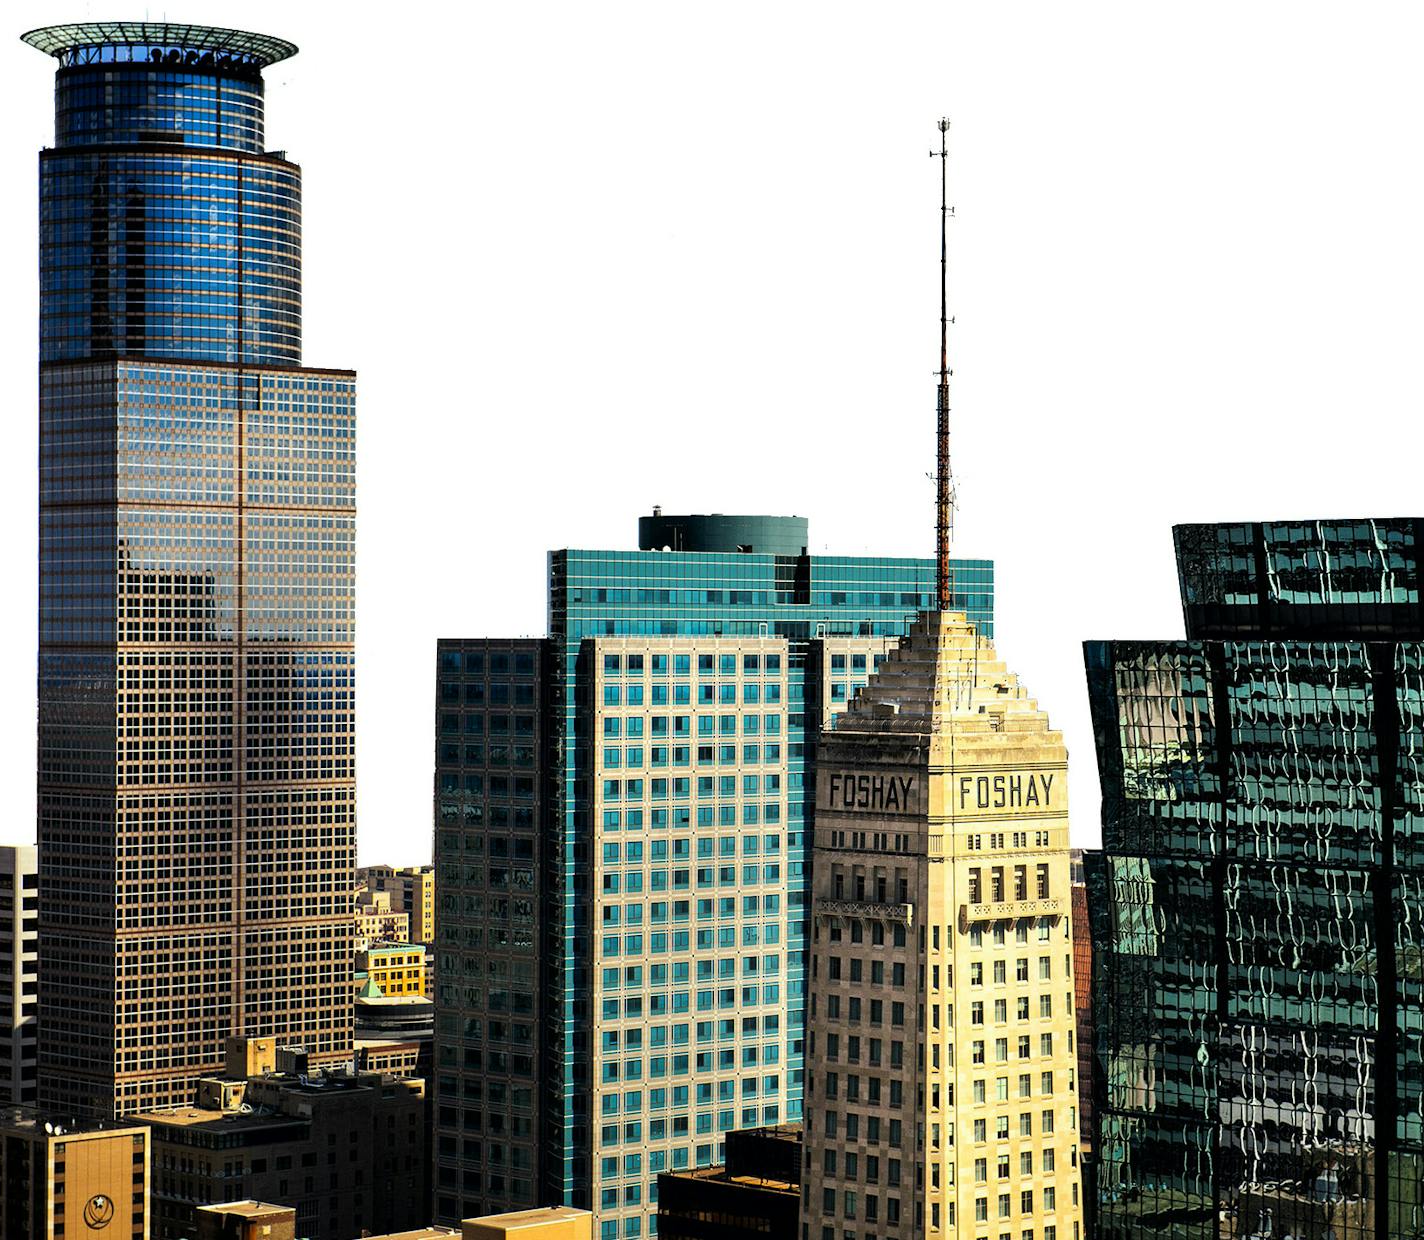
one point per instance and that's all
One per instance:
(1258, 906)
(678, 698)
(196, 794)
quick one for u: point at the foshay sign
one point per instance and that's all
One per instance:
(870, 792)
(900, 793)
(1012, 790)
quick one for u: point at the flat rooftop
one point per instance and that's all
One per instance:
(248, 1209)
(196, 1117)
(720, 1176)
(540, 1214)
(20, 1119)
(422, 1233)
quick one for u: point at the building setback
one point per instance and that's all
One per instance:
(941, 1094)
(19, 985)
(196, 782)
(1258, 908)
(377, 921)
(639, 785)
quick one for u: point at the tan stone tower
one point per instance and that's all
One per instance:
(940, 1091)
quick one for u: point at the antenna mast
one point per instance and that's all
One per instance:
(944, 488)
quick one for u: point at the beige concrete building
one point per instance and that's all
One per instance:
(412, 891)
(58, 1183)
(247, 1220)
(19, 987)
(377, 921)
(941, 1095)
(549, 1223)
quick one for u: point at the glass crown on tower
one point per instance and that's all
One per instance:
(164, 227)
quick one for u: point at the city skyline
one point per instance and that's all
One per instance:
(753, 840)
(1060, 189)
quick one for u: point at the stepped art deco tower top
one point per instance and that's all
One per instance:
(196, 785)
(941, 1095)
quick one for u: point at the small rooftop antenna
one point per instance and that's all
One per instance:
(944, 480)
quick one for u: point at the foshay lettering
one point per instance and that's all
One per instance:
(1030, 791)
(888, 793)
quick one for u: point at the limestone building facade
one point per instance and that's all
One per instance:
(941, 1065)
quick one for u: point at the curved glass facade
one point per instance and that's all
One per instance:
(108, 103)
(164, 228)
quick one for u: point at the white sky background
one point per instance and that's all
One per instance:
(591, 257)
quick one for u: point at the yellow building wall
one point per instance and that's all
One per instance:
(553, 1223)
(98, 1184)
(397, 971)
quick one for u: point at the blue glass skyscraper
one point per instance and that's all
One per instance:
(669, 720)
(197, 496)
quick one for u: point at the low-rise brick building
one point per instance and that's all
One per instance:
(348, 1151)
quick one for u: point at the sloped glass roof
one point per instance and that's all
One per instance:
(254, 49)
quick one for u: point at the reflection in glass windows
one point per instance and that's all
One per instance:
(1257, 904)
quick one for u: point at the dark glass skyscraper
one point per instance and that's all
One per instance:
(197, 505)
(621, 844)
(1258, 910)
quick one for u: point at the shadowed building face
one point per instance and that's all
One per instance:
(1257, 906)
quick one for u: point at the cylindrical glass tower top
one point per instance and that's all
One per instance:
(129, 82)
(165, 229)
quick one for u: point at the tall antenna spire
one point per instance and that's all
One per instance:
(944, 482)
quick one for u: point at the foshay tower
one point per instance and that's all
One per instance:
(940, 1084)
(196, 779)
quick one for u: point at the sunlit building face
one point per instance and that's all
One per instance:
(622, 846)
(197, 508)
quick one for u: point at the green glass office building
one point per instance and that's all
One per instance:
(647, 926)
(1258, 907)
